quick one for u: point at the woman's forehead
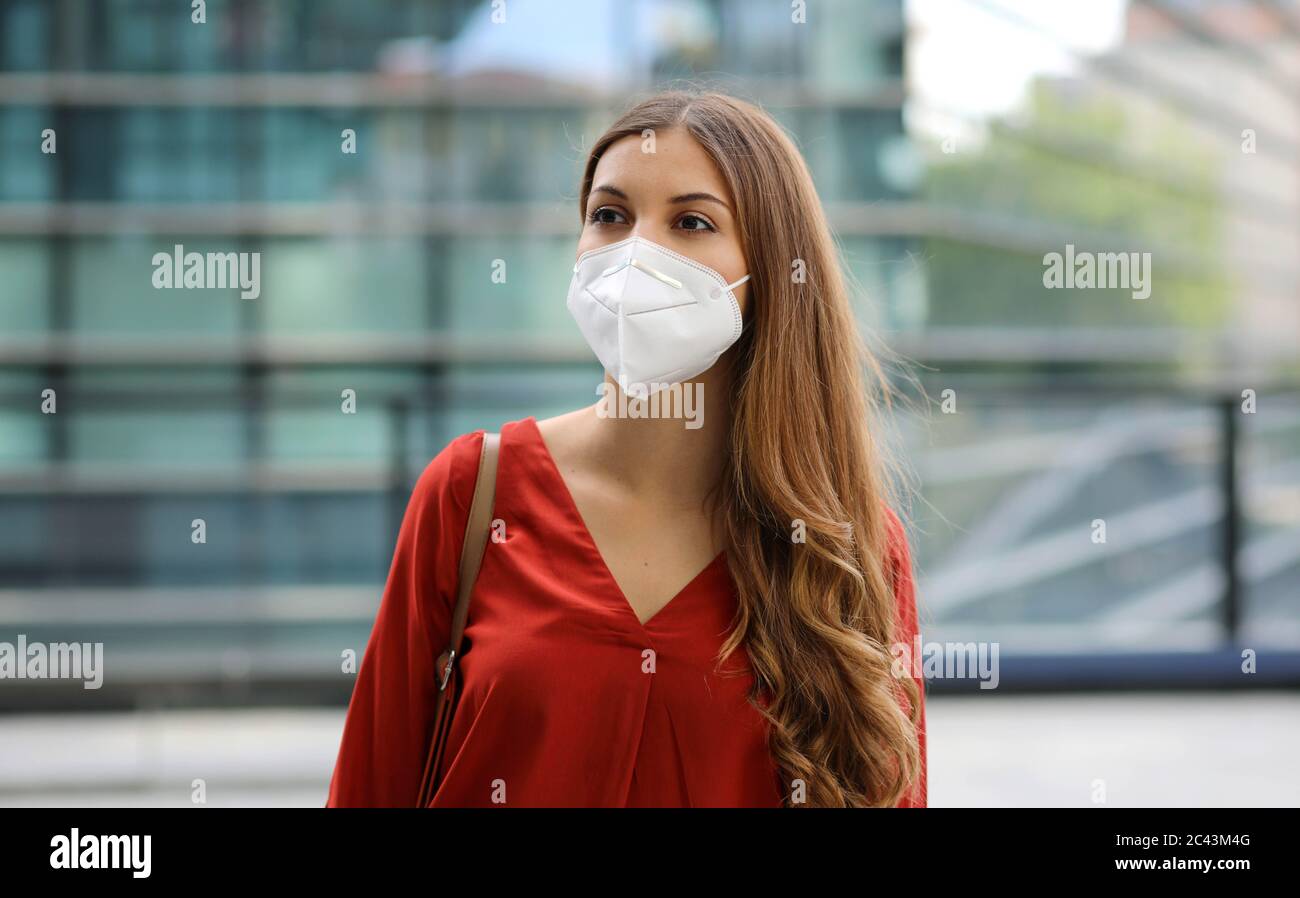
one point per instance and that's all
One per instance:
(671, 161)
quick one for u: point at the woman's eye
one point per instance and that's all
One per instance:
(700, 223)
(604, 215)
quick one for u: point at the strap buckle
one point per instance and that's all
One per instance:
(446, 673)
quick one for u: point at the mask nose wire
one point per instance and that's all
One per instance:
(656, 274)
(637, 263)
(671, 281)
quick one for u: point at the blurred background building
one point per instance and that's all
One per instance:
(954, 144)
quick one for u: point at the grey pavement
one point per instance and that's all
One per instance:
(1125, 750)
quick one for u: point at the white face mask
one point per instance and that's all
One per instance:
(652, 316)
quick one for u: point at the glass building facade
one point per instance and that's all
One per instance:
(228, 135)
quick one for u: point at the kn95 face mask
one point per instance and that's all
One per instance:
(652, 316)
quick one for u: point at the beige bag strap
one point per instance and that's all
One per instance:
(477, 527)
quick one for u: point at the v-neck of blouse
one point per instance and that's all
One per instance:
(570, 507)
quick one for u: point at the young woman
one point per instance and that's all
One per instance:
(680, 613)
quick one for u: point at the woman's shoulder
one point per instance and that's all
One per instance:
(897, 536)
(448, 478)
(446, 474)
(900, 567)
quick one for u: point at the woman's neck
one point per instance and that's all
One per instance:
(669, 448)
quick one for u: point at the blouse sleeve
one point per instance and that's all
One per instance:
(390, 717)
(907, 628)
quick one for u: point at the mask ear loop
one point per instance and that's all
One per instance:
(716, 292)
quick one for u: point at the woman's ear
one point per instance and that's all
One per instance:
(746, 300)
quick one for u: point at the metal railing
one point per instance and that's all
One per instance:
(254, 635)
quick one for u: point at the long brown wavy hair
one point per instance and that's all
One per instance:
(817, 617)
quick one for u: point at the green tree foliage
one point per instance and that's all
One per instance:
(1089, 170)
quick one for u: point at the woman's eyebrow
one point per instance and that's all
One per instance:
(680, 198)
(693, 197)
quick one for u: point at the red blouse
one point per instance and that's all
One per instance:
(567, 698)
